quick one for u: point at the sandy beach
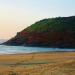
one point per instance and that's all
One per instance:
(52, 63)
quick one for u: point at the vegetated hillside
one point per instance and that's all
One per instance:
(51, 32)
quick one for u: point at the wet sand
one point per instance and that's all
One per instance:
(50, 63)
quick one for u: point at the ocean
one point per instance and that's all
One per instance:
(21, 49)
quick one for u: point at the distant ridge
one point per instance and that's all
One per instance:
(52, 32)
(2, 40)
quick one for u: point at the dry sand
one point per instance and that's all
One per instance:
(52, 63)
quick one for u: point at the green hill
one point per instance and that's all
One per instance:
(51, 32)
(53, 24)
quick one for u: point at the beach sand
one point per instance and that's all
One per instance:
(50, 63)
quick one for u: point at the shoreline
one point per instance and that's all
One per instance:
(38, 52)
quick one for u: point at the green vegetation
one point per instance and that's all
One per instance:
(53, 24)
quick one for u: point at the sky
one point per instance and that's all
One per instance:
(15, 15)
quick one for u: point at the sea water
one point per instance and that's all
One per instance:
(22, 49)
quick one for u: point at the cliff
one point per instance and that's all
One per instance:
(51, 32)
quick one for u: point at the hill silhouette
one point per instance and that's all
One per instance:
(52, 32)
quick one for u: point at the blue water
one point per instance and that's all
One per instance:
(21, 49)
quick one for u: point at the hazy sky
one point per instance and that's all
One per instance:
(15, 15)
